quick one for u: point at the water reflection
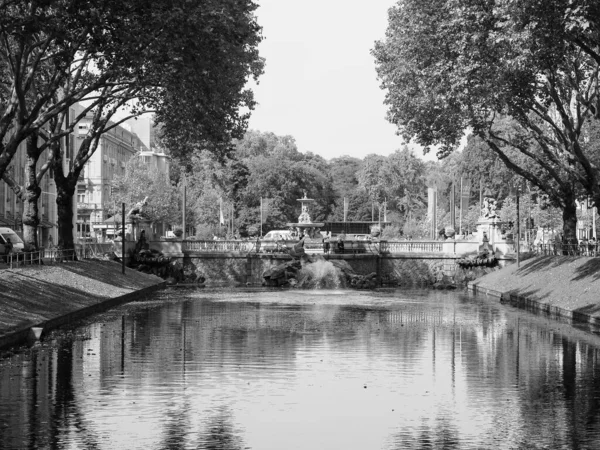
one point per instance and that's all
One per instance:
(306, 370)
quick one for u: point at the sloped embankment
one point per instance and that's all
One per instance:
(568, 286)
(51, 295)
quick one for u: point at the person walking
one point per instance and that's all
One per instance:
(340, 244)
(592, 247)
(326, 245)
(8, 249)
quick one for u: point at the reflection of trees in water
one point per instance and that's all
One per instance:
(559, 389)
(439, 435)
(176, 428)
(219, 432)
(67, 413)
(553, 381)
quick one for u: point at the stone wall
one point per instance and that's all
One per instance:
(417, 270)
(235, 269)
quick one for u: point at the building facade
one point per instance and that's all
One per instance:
(95, 201)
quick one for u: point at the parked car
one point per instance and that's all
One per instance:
(360, 237)
(269, 243)
(278, 235)
(17, 242)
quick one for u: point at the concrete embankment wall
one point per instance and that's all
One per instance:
(560, 286)
(227, 269)
(50, 296)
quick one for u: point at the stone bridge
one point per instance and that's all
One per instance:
(403, 263)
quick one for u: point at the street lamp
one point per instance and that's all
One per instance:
(514, 190)
(55, 195)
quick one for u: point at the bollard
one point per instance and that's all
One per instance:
(37, 332)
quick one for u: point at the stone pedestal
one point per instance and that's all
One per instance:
(492, 229)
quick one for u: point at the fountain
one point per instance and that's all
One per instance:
(305, 226)
(316, 271)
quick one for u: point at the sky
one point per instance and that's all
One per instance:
(320, 85)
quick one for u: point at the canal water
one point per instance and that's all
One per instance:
(313, 369)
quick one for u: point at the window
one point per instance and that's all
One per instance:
(81, 191)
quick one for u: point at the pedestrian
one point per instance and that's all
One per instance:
(583, 246)
(340, 244)
(8, 249)
(50, 242)
(326, 245)
(592, 246)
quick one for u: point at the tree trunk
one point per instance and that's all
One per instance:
(31, 196)
(65, 190)
(31, 218)
(570, 220)
(64, 203)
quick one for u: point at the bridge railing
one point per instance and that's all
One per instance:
(218, 246)
(412, 246)
(350, 246)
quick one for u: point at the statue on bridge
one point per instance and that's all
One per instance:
(488, 210)
(137, 212)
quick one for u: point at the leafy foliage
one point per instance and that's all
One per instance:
(140, 181)
(521, 76)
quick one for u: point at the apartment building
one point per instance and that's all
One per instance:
(94, 196)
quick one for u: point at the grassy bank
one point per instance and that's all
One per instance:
(568, 286)
(50, 295)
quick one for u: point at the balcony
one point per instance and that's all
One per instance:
(88, 206)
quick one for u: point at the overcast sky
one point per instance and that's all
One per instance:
(320, 84)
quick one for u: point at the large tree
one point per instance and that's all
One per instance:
(187, 61)
(189, 65)
(404, 180)
(139, 181)
(522, 76)
(48, 61)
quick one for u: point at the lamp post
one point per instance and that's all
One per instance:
(53, 194)
(183, 236)
(518, 228)
(123, 239)
(515, 191)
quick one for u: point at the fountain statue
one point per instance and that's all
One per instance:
(137, 212)
(305, 228)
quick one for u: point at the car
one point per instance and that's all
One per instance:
(278, 235)
(17, 242)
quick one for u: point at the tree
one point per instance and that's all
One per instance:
(189, 64)
(140, 181)
(403, 176)
(522, 76)
(343, 171)
(271, 167)
(46, 53)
